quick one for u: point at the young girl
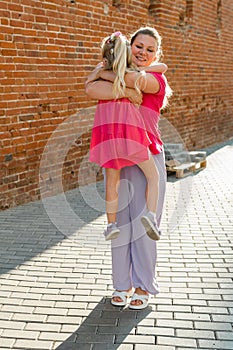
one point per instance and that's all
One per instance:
(119, 136)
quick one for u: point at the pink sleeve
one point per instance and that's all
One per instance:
(162, 82)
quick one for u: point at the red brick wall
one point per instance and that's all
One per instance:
(47, 49)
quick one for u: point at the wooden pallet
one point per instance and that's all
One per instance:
(182, 169)
(199, 158)
(200, 165)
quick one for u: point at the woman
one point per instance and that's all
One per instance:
(133, 253)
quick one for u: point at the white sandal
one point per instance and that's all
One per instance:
(123, 295)
(144, 298)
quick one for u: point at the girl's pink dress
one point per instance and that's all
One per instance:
(119, 136)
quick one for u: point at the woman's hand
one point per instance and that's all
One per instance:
(134, 96)
(95, 74)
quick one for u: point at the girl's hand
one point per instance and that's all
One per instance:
(95, 74)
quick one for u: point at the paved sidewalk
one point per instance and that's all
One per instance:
(55, 290)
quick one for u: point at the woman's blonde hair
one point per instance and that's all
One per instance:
(159, 53)
(117, 56)
(154, 34)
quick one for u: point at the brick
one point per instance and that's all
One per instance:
(153, 347)
(95, 338)
(212, 326)
(190, 302)
(174, 323)
(43, 327)
(191, 316)
(72, 346)
(9, 333)
(210, 310)
(29, 317)
(135, 339)
(23, 309)
(174, 308)
(7, 343)
(50, 311)
(71, 305)
(222, 318)
(52, 336)
(155, 331)
(195, 334)
(224, 335)
(175, 341)
(219, 344)
(37, 344)
(5, 315)
(63, 320)
(7, 324)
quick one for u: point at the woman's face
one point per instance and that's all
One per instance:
(144, 49)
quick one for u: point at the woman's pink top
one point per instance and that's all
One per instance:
(150, 110)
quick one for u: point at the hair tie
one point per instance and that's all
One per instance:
(116, 34)
(113, 36)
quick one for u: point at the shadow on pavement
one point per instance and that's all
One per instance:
(27, 230)
(105, 328)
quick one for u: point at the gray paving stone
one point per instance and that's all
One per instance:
(181, 348)
(198, 334)
(32, 344)
(210, 310)
(224, 335)
(175, 323)
(222, 318)
(71, 346)
(113, 347)
(13, 333)
(18, 308)
(174, 308)
(43, 327)
(64, 319)
(8, 324)
(213, 326)
(95, 338)
(29, 317)
(55, 336)
(191, 316)
(7, 343)
(155, 331)
(216, 344)
(190, 302)
(153, 347)
(5, 315)
(100, 321)
(176, 341)
(107, 329)
(70, 305)
(135, 339)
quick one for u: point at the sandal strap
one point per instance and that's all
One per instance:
(141, 297)
(120, 294)
(123, 295)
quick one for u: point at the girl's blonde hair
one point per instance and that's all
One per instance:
(116, 53)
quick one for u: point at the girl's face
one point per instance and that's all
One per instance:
(144, 49)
